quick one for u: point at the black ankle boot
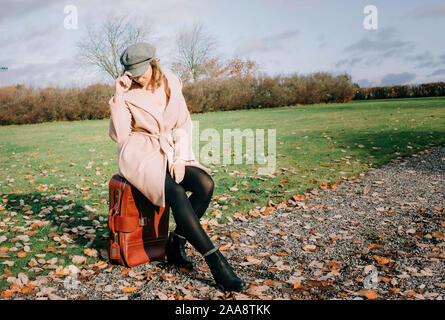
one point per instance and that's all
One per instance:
(175, 251)
(224, 276)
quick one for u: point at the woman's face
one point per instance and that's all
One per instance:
(144, 79)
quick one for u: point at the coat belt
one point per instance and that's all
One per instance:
(165, 139)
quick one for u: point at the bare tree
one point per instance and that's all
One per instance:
(103, 45)
(195, 49)
(180, 69)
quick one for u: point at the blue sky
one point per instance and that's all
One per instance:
(282, 36)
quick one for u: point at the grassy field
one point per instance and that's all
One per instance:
(54, 176)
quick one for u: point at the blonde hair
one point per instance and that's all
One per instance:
(157, 75)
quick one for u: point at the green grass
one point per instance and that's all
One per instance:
(315, 144)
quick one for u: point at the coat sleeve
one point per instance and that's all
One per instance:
(120, 120)
(183, 130)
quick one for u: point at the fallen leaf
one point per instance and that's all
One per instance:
(370, 294)
(90, 252)
(79, 259)
(382, 260)
(438, 235)
(52, 261)
(235, 235)
(6, 294)
(334, 265)
(309, 247)
(61, 271)
(410, 293)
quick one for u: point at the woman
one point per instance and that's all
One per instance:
(147, 104)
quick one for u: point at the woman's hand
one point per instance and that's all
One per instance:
(177, 170)
(123, 84)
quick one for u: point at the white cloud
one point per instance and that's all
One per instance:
(384, 41)
(376, 47)
(265, 43)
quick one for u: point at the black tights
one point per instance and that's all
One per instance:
(187, 211)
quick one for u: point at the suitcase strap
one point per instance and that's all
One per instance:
(128, 224)
(114, 247)
(122, 223)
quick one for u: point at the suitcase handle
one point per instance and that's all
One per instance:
(142, 221)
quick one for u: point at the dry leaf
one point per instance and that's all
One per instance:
(334, 265)
(370, 294)
(6, 294)
(52, 261)
(235, 235)
(79, 259)
(61, 271)
(90, 252)
(310, 247)
(438, 235)
(382, 260)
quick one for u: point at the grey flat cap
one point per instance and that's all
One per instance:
(137, 57)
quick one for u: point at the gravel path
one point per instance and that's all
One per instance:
(380, 236)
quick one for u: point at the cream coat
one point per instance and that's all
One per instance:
(145, 142)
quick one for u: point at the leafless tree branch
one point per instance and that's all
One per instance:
(195, 49)
(103, 45)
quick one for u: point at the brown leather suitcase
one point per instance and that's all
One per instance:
(138, 229)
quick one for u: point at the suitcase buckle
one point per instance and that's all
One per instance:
(143, 221)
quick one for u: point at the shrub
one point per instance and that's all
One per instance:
(29, 105)
(433, 89)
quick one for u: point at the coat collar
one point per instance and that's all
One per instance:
(136, 99)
